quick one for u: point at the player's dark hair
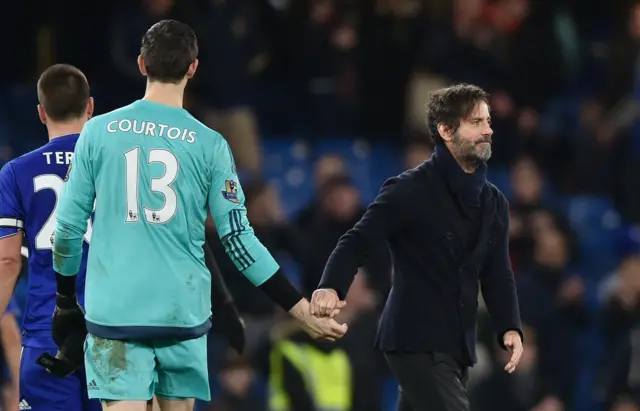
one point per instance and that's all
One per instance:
(63, 92)
(449, 105)
(168, 49)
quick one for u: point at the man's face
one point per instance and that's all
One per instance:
(472, 140)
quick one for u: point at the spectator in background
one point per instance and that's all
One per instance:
(620, 296)
(553, 302)
(306, 374)
(128, 24)
(266, 213)
(518, 391)
(325, 168)
(596, 159)
(335, 207)
(324, 41)
(620, 68)
(236, 378)
(522, 25)
(234, 53)
(529, 206)
(309, 375)
(368, 365)
(393, 95)
(506, 147)
(416, 152)
(339, 208)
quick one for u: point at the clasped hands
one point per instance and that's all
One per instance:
(320, 315)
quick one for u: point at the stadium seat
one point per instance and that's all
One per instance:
(288, 168)
(386, 163)
(357, 154)
(596, 223)
(501, 178)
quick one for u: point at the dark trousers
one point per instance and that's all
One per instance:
(429, 382)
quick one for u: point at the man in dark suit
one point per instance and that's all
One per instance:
(447, 228)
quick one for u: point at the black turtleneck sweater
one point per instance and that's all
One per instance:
(447, 231)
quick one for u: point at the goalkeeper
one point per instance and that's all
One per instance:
(153, 172)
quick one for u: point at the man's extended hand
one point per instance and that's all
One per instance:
(513, 342)
(326, 303)
(324, 328)
(229, 321)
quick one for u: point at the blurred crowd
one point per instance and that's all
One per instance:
(291, 76)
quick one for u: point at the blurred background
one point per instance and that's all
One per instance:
(322, 100)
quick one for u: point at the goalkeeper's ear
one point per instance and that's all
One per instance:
(191, 71)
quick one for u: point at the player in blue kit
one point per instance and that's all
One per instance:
(29, 189)
(154, 173)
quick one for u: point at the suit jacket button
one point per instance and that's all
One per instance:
(461, 304)
(449, 236)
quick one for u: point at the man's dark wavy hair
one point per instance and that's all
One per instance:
(449, 105)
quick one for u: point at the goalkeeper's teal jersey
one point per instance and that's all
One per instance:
(152, 172)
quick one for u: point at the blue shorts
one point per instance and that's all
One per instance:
(41, 391)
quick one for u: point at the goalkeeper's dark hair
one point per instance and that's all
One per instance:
(63, 92)
(168, 49)
(449, 105)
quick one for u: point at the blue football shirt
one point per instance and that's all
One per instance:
(29, 190)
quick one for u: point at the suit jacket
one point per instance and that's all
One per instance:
(437, 273)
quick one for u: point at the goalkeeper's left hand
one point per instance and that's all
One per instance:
(229, 321)
(68, 320)
(68, 359)
(69, 332)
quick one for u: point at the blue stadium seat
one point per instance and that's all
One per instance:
(386, 163)
(281, 154)
(357, 154)
(288, 167)
(596, 223)
(501, 178)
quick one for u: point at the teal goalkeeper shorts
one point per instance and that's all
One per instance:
(128, 370)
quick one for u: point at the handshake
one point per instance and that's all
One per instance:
(317, 317)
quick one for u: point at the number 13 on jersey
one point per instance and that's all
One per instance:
(161, 185)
